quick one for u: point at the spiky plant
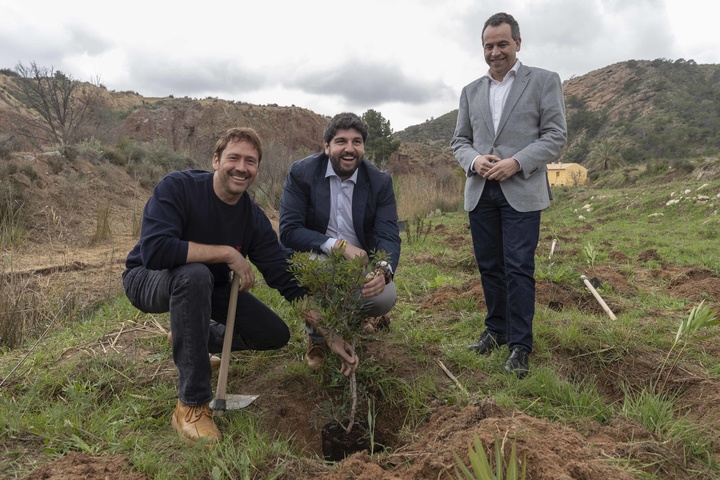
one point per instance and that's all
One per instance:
(482, 469)
(334, 284)
(700, 316)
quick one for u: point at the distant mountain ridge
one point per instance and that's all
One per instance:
(650, 109)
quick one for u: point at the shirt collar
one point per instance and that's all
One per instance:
(329, 172)
(512, 72)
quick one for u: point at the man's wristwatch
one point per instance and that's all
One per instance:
(384, 267)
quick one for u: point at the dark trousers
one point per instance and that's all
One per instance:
(189, 293)
(504, 242)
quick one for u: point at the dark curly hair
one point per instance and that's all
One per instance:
(344, 121)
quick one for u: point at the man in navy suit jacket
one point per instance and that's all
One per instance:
(511, 123)
(338, 200)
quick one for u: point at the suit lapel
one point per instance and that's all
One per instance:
(322, 195)
(360, 198)
(483, 93)
(521, 81)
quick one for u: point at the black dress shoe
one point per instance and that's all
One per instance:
(518, 362)
(487, 342)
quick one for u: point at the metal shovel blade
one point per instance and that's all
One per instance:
(232, 402)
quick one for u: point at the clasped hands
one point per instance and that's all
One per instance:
(492, 167)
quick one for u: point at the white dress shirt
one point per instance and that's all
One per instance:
(340, 226)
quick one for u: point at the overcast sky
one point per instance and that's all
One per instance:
(408, 59)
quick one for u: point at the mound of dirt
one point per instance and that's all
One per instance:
(74, 466)
(549, 451)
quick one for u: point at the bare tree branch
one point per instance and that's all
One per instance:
(60, 104)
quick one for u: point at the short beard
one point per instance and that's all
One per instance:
(343, 174)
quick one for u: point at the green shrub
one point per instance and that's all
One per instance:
(684, 165)
(114, 157)
(57, 164)
(131, 151)
(91, 149)
(148, 163)
(30, 172)
(70, 153)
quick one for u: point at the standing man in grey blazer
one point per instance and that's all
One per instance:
(511, 124)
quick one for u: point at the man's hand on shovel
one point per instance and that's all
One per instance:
(242, 268)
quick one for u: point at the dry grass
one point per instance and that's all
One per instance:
(26, 308)
(102, 226)
(420, 195)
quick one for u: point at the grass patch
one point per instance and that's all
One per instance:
(103, 381)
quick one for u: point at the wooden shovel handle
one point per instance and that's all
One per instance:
(598, 297)
(227, 339)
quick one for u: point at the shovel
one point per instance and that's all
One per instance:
(591, 287)
(554, 305)
(223, 401)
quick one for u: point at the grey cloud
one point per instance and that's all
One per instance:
(372, 83)
(84, 40)
(163, 77)
(565, 23)
(574, 38)
(26, 50)
(584, 41)
(50, 51)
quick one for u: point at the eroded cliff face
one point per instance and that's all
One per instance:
(193, 127)
(187, 125)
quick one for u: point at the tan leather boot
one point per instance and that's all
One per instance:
(195, 423)
(214, 361)
(315, 355)
(376, 324)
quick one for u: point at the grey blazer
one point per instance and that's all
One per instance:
(532, 129)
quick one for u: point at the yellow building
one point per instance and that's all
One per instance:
(571, 174)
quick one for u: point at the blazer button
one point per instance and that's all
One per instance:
(495, 145)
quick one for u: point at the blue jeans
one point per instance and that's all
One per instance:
(198, 311)
(504, 242)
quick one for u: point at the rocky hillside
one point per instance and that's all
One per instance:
(649, 109)
(193, 126)
(188, 126)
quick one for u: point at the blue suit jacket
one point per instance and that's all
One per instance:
(305, 208)
(532, 129)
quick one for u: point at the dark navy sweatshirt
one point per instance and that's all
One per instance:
(184, 208)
